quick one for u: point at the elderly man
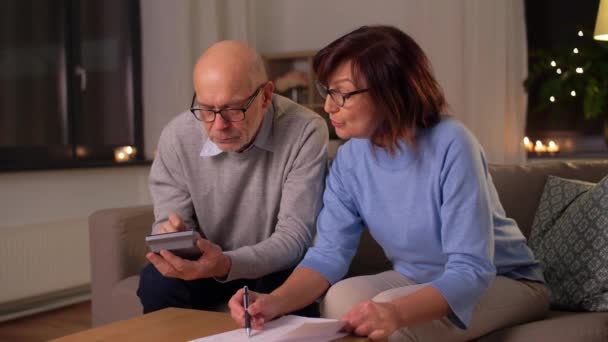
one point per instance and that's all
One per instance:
(245, 168)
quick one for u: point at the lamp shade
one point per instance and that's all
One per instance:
(601, 24)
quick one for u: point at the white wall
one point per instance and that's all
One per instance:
(167, 62)
(44, 240)
(36, 197)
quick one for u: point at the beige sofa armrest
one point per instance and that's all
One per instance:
(118, 249)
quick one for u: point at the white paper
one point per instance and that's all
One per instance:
(286, 328)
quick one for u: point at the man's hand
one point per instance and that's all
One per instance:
(173, 224)
(375, 320)
(262, 308)
(212, 263)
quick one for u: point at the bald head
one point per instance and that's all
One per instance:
(231, 63)
(231, 75)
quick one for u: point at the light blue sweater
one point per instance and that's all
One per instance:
(432, 208)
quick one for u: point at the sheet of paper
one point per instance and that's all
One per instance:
(286, 328)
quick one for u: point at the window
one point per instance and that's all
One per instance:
(70, 82)
(561, 31)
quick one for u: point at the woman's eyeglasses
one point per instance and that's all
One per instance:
(338, 97)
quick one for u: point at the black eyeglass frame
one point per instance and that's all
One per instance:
(249, 102)
(324, 91)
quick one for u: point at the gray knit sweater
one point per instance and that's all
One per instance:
(260, 205)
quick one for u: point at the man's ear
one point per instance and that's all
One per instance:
(267, 93)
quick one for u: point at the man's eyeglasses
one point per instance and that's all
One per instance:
(338, 97)
(228, 114)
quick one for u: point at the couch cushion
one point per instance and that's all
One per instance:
(560, 326)
(570, 238)
(125, 302)
(520, 186)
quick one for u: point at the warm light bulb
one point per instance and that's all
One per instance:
(579, 70)
(580, 33)
(552, 99)
(129, 149)
(553, 63)
(575, 50)
(558, 71)
(573, 93)
(526, 140)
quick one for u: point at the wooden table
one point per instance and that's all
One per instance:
(170, 324)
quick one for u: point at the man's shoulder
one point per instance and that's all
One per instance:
(290, 113)
(183, 126)
(294, 122)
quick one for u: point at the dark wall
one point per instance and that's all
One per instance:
(551, 23)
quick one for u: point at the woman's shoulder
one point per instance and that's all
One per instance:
(351, 152)
(452, 140)
(449, 126)
(451, 130)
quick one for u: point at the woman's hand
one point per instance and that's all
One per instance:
(375, 320)
(262, 308)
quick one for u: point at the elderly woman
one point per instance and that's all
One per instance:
(419, 181)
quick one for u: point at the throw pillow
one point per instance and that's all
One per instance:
(569, 236)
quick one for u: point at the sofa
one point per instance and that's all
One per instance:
(118, 249)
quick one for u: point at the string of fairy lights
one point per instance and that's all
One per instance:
(558, 70)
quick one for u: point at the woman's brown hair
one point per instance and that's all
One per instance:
(398, 75)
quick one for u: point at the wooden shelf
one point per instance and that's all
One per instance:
(280, 64)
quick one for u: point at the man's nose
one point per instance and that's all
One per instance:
(219, 122)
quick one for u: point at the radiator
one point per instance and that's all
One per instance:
(43, 266)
